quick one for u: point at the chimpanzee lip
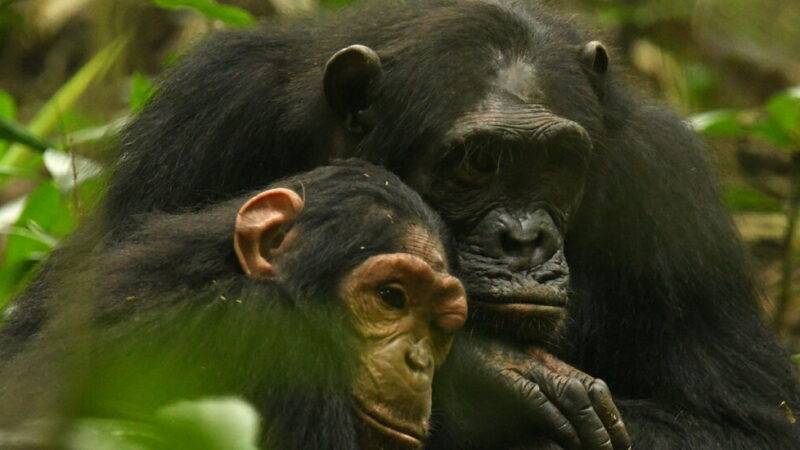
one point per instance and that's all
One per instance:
(397, 431)
(538, 297)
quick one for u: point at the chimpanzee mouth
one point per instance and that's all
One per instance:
(402, 432)
(545, 301)
(530, 293)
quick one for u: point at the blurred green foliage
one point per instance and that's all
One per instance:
(62, 185)
(230, 15)
(207, 424)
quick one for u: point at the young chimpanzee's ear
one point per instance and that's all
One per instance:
(261, 227)
(352, 76)
(594, 56)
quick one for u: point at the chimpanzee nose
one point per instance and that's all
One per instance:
(526, 239)
(419, 356)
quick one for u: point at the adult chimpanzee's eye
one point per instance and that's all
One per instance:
(476, 167)
(393, 297)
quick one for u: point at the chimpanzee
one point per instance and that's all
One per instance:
(552, 175)
(325, 300)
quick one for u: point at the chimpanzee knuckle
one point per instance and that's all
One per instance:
(575, 393)
(600, 388)
(533, 393)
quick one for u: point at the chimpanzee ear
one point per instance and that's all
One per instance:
(594, 57)
(261, 227)
(352, 76)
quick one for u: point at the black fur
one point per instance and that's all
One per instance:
(665, 307)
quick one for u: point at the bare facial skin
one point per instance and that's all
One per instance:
(405, 315)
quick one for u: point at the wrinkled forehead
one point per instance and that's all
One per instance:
(419, 242)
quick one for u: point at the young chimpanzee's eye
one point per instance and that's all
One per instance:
(393, 297)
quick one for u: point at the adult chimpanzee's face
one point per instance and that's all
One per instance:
(511, 175)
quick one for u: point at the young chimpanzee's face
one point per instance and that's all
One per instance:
(403, 306)
(404, 310)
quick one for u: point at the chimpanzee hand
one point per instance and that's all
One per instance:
(561, 402)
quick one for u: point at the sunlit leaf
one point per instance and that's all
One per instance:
(209, 424)
(68, 170)
(94, 134)
(718, 123)
(10, 212)
(223, 423)
(231, 15)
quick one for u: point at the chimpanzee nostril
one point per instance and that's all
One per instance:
(529, 239)
(510, 245)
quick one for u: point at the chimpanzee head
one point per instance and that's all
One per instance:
(356, 231)
(499, 118)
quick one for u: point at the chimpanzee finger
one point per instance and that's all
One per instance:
(541, 410)
(604, 405)
(572, 399)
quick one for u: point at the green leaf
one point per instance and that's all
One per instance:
(111, 434)
(743, 198)
(35, 233)
(231, 15)
(45, 219)
(14, 132)
(48, 116)
(335, 4)
(8, 108)
(213, 424)
(14, 172)
(720, 122)
(142, 91)
(208, 424)
(784, 110)
(772, 131)
(46, 213)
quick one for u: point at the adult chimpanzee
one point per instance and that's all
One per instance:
(513, 125)
(326, 301)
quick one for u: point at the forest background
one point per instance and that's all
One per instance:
(73, 72)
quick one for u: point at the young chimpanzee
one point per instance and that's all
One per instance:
(324, 300)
